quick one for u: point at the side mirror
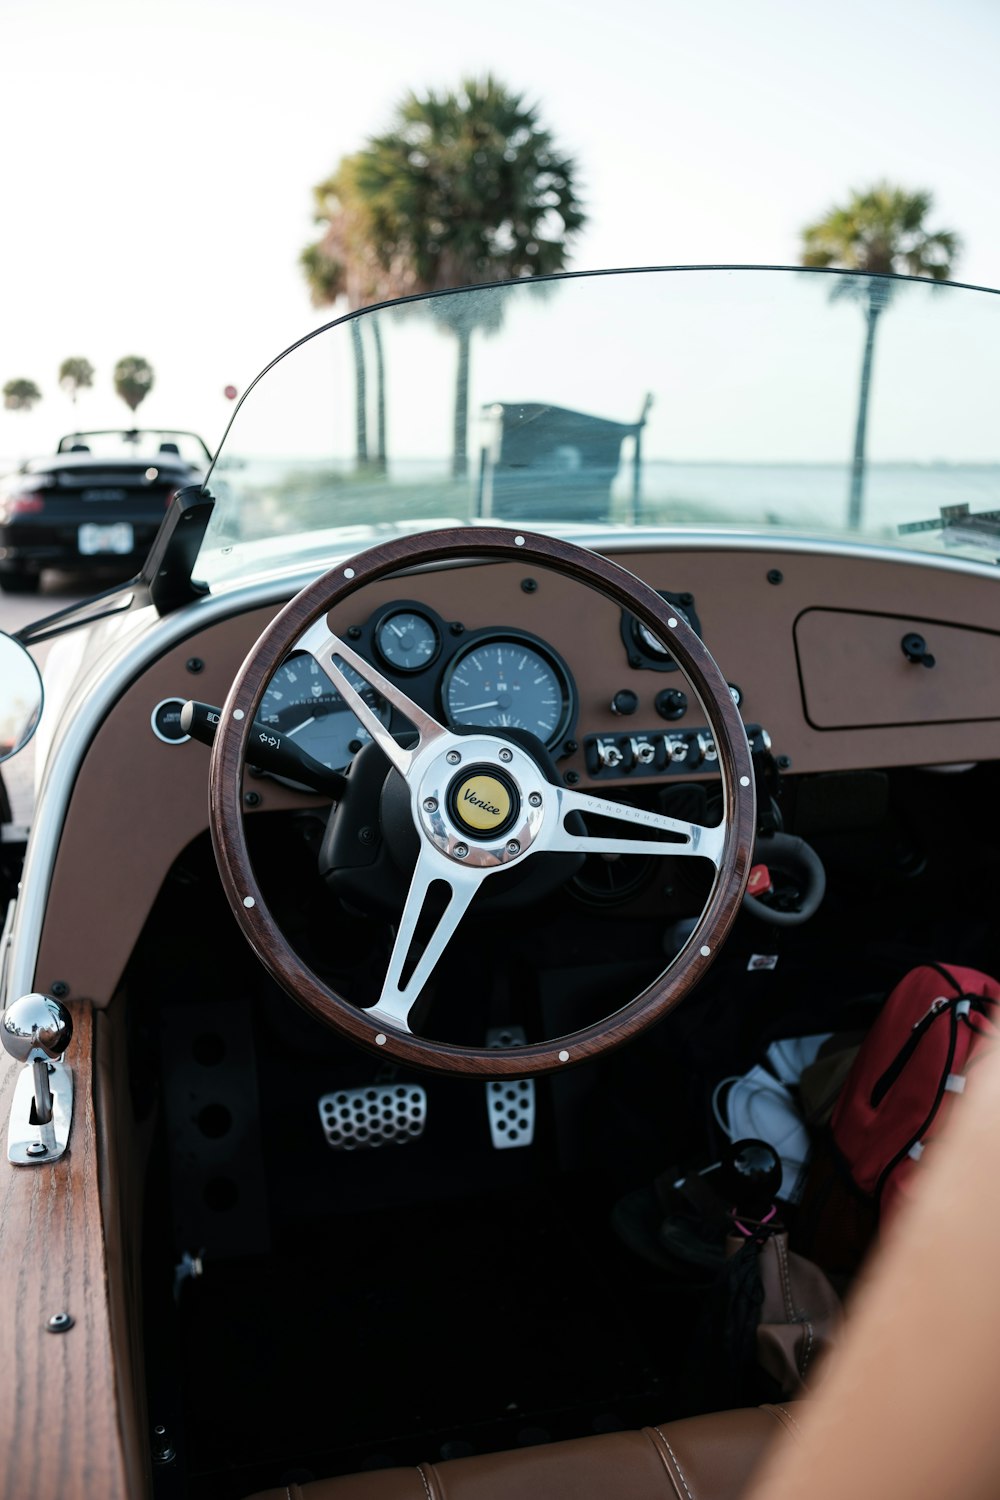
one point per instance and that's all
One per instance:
(21, 696)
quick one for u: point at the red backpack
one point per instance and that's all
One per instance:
(936, 1025)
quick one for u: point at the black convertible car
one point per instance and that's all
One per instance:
(94, 505)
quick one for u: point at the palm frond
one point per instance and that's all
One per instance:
(882, 229)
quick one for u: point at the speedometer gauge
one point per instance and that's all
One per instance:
(303, 703)
(509, 682)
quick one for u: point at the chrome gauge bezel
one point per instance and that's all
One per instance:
(640, 652)
(385, 618)
(561, 673)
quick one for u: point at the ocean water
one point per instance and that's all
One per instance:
(790, 495)
(812, 498)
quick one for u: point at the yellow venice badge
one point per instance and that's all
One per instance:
(483, 803)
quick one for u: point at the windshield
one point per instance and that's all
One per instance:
(810, 403)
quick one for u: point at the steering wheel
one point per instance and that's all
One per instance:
(480, 804)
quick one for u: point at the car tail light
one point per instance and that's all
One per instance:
(24, 505)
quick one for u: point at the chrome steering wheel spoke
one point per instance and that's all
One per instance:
(691, 838)
(433, 867)
(323, 646)
(395, 1003)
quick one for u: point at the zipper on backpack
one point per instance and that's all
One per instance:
(939, 1095)
(935, 1006)
(917, 1031)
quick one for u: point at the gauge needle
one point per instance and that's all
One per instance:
(471, 708)
(300, 726)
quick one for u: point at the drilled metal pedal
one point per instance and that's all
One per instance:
(380, 1114)
(510, 1102)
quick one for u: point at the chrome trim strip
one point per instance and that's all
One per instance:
(6, 944)
(608, 539)
(736, 541)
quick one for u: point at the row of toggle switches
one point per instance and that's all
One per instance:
(655, 753)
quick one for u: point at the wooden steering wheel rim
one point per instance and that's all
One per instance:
(244, 892)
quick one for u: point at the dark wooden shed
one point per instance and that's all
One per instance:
(547, 463)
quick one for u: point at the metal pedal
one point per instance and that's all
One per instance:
(381, 1114)
(510, 1102)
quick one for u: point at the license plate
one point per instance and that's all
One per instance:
(115, 538)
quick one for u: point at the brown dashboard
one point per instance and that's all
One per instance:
(814, 642)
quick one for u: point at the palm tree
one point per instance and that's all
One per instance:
(133, 380)
(342, 264)
(466, 187)
(20, 395)
(75, 375)
(881, 231)
(325, 277)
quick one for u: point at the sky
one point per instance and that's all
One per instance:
(158, 156)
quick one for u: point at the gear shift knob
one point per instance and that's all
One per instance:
(36, 1028)
(751, 1173)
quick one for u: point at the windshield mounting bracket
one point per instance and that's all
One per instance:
(164, 579)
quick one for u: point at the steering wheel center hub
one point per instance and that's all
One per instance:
(480, 800)
(484, 801)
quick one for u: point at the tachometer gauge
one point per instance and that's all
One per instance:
(407, 640)
(303, 703)
(509, 681)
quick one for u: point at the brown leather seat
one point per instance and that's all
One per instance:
(700, 1458)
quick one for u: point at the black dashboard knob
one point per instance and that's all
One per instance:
(625, 702)
(914, 648)
(671, 703)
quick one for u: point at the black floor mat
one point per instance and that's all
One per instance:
(436, 1332)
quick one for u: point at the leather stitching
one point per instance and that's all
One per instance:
(680, 1471)
(786, 1284)
(651, 1434)
(791, 1422)
(808, 1350)
(423, 1480)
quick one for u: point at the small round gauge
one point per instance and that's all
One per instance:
(646, 638)
(407, 640)
(651, 642)
(648, 649)
(303, 703)
(509, 682)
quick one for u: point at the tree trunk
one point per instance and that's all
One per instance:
(360, 397)
(380, 454)
(460, 455)
(856, 501)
